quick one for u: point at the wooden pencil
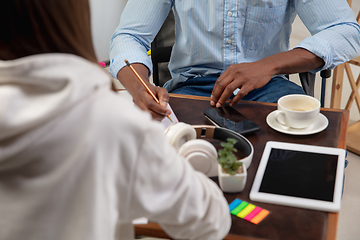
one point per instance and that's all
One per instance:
(145, 86)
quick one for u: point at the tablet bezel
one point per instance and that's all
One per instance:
(321, 205)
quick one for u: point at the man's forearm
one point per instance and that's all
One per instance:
(129, 80)
(294, 61)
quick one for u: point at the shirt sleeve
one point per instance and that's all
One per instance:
(335, 32)
(187, 204)
(140, 21)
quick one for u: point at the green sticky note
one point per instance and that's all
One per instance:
(241, 206)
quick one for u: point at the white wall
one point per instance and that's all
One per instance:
(105, 17)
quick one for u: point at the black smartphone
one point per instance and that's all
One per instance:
(228, 117)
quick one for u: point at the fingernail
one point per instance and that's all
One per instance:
(212, 103)
(164, 104)
(218, 105)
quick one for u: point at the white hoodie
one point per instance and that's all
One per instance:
(80, 162)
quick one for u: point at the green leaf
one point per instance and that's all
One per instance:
(227, 158)
(232, 141)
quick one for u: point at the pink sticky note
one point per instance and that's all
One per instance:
(253, 213)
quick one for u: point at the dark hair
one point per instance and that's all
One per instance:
(30, 27)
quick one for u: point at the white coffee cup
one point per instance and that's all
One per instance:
(297, 110)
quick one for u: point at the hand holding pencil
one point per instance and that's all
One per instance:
(145, 86)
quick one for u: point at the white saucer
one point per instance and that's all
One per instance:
(320, 124)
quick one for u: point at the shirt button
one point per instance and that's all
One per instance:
(229, 41)
(229, 14)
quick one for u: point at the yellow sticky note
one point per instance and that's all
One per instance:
(246, 211)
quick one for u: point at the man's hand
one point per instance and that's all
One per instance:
(140, 96)
(250, 76)
(246, 76)
(144, 100)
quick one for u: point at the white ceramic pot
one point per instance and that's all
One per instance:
(232, 183)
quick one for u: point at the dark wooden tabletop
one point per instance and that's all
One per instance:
(283, 223)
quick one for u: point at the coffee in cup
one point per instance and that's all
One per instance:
(297, 110)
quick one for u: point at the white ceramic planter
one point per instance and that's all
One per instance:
(232, 183)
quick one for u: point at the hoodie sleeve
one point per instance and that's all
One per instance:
(167, 190)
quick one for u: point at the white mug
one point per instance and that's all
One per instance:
(297, 110)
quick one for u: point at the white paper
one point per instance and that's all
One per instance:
(142, 220)
(166, 122)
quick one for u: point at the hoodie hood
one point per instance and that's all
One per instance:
(35, 89)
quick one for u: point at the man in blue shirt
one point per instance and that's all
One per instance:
(231, 47)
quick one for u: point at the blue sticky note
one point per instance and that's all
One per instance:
(234, 203)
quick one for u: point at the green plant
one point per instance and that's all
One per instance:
(227, 158)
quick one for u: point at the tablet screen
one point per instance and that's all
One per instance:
(300, 174)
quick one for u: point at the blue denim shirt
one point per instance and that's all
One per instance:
(212, 35)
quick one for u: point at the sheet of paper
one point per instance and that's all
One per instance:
(142, 220)
(166, 122)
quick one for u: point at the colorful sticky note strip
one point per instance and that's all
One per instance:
(240, 207)
(259, 217)
(247, 211)
(234, 204)
(253, 213)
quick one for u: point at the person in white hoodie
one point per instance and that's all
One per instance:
(77, 160)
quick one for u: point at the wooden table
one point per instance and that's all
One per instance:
(283, 223)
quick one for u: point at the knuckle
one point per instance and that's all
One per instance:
(220, 84)
(230, 88)
(232, 67)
